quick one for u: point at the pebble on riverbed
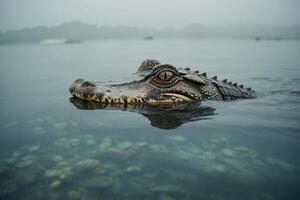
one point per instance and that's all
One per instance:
(34, 148)
(57, 158)
(7, 188)
(99, 182)
(125, 145)
(74, 195)
(133, 169)
(60, 125)
(38, 130)
(90, 142)
(87, 164)
(49, 173)
(229, 153)
(26, 161)
(176, 138)
(55, 184)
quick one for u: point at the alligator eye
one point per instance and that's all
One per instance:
(165, 75)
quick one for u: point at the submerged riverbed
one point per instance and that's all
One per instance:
(50, 149)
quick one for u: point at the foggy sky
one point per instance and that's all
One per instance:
(15, 14)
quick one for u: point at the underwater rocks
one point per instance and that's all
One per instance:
(3, 169)
(119, 150)
(92, 166)
(58, 173)
(107, 142)
(11, 161)
(242, 149)
(280, 164)
(229, 153)
(115, 153)
(168, 189)
(38, 130)
(100, 170)
(87, 164)
(55, 184)
(49, 173)
(60, 125)
(176, 138)
(90, 142)
(26, 161)
(157, 148)
(99, 182)
(165, 197)
(125, 145)
(7, 188)
(26, 177)
(65, 143)
(57, 158)
(16, 154)
(133, 169)
(34, 148)
(74, 195)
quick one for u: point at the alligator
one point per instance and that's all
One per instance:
(160, 84)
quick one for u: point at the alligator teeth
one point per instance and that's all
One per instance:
(131, 100)
(105, 99)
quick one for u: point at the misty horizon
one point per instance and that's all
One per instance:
(77, 30)
(150, 27)
(149, 14)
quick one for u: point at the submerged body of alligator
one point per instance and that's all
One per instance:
(160, 84)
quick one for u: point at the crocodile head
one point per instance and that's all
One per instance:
(152, 84)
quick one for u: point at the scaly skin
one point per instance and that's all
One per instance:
(159, 84)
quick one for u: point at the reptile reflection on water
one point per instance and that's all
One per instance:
(163, 117)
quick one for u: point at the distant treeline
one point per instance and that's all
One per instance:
(83, 31)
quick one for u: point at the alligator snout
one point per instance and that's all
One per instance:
(96, 91)
(82, 88)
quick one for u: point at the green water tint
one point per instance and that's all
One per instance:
(97, 165)
(51, 148)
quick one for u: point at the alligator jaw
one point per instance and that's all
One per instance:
(169, 98)
(105, 94)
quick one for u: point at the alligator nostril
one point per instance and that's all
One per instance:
(87, 84)
(80, 80)
(72, 89)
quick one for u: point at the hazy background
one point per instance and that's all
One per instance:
(47, 44)
(16, 14)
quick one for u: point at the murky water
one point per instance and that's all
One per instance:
(50, 149)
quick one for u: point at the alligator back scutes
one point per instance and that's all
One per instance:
(231, 92)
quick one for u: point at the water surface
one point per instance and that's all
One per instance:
(248, 149)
